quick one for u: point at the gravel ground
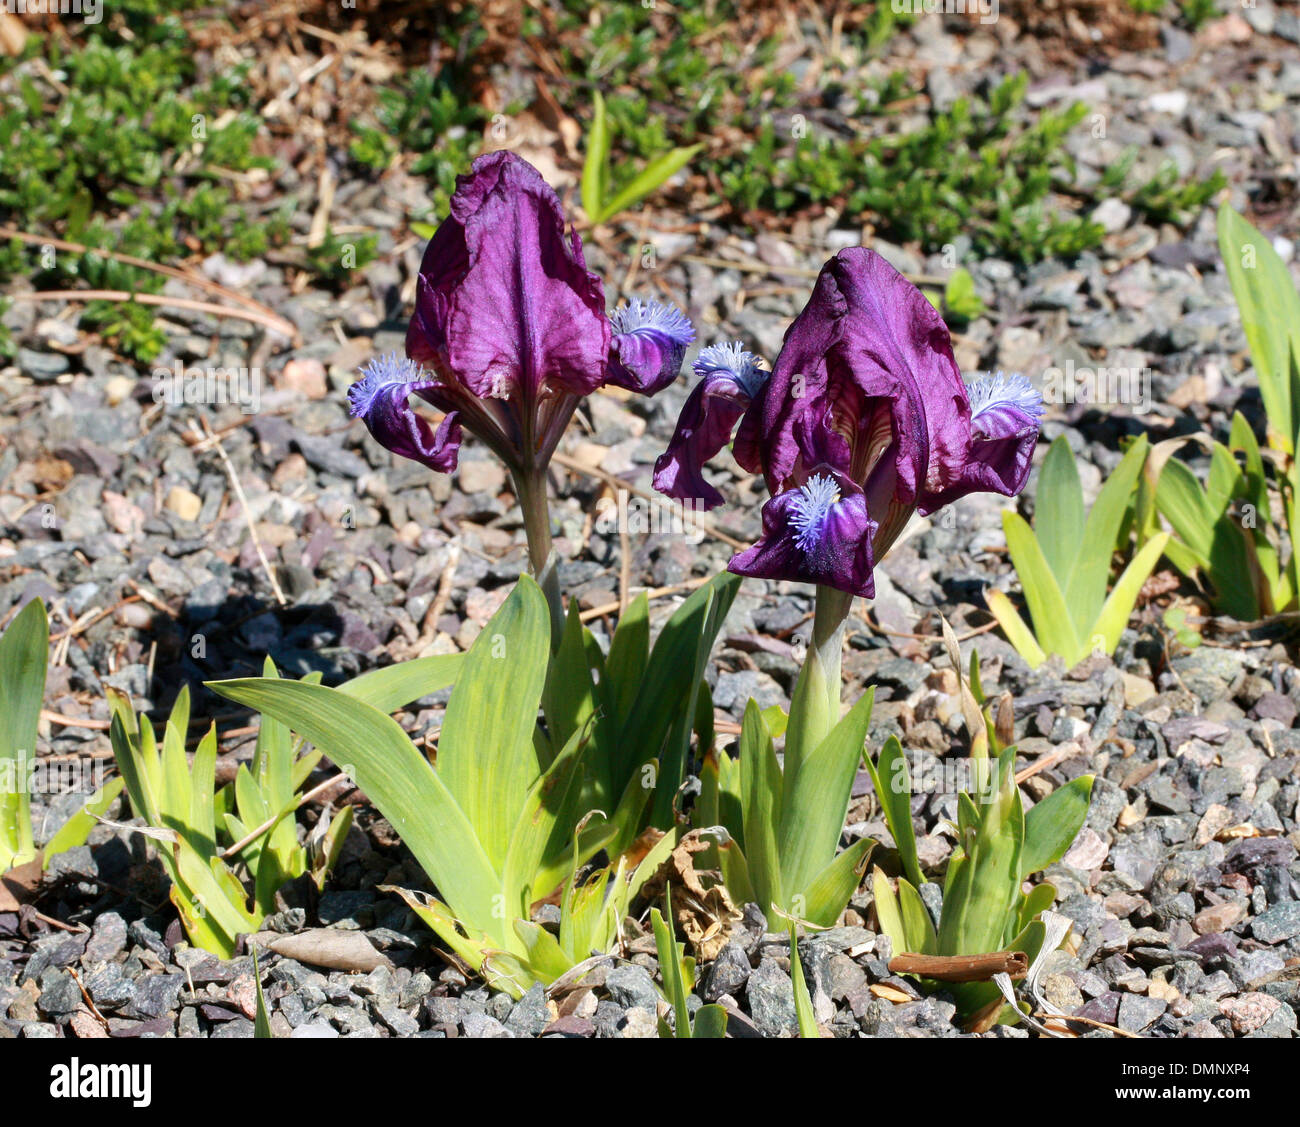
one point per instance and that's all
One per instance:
(1183, 886)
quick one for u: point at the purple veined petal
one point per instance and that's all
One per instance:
(648, 345)
(505, 306)
(819, 532)
(526, 317)
(730, 378)
(380, 400)
(1005, 416)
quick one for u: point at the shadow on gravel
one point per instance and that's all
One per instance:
(232, 637)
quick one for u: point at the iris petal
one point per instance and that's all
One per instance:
(819, 532)
(1005, 416)
(648, 345)
(381, 400)
(729, 379)
(507, 313)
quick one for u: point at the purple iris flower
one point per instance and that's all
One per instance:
(866, 394)
(730, 378)
(509, 330)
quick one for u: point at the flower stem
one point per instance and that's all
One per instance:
(815, 707)
(530, 488)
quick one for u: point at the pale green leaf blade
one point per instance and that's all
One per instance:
(815, 799)
(803, 1007)
(486, 755)
(1183, 503)
(1270, 313)
(1013, 626)
(893, 785)
(917, 925)
(830, 890)
(1115, 614)
(1052, 825)
(760, 788)
(396, 686)
(24, 654)
(710, 1023)
(888, 916)
(372, 748)
(595, 164)
(1087, 588)
(657, 172)
(76, 829)
(1053, 623)
(1058, 511)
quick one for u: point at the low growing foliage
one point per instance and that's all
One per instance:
(779, 830)
(1064, 562)
(999, 847)
(24, 651)
(501, 821)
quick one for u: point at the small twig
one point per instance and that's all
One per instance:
(652, 593)
(325, 201)
(99, 1017)
(429, 624)
(962, 968)
(1049, 760)
(74, 721)
(186, 276)
(253, 835)
(76, 929)
(1089, 1021)
(966, 637)
(153, 600)
(270, 320)
(248, 516)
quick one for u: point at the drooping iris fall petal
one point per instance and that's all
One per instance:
(1005, 418)
(819, 532)
(648, 346)
(381, 399)
(730, 377)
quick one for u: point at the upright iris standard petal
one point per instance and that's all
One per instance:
(648, 345)
(730, 378)
(381, 399)
(506, 305)
(819, 532)
(1005, 414)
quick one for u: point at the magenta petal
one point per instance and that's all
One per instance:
(729, 379)
(818, 533)
(1005, 418)
(381, 400)
(505, 305)
(648, 346)
(867, 342)
(527, 315)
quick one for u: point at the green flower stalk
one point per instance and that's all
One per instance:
(815, 706)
